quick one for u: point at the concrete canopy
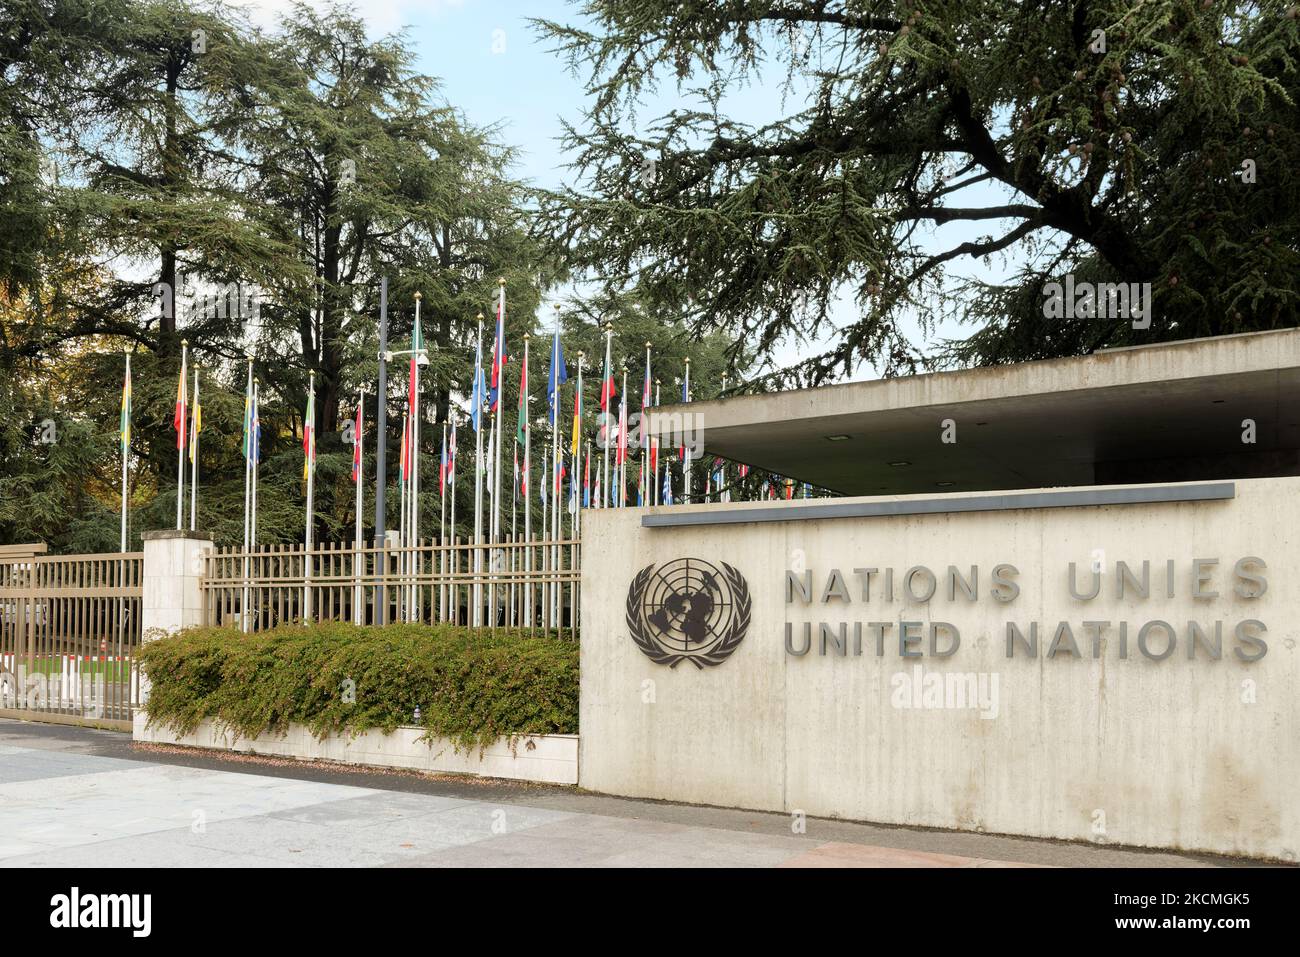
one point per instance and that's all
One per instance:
(1161, 413)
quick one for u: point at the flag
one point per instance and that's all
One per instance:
(309, 434)
(558, 375)
(607, 387)
(477, 396)
(622, 432)
(542, 486)
(442, 465)
(257, 426)
(789, 488)
(178, 418)
(356, 446)
(124, 425)
(668, 488)
(197, 420)
(488, 460)
(521, 429)
(645, 399)
(586, 483)
(686, 397)
(417, 346)
(575, 441)
(248, 420)
(499, 357)
(402, 462)
(451, 455)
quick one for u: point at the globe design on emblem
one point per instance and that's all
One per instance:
(689, 605)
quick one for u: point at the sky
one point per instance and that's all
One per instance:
(495, 68)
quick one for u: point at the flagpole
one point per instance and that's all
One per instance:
(453, 590)
(194, 451)
(257, 454)
(478, 476)
(124, 442)
(489, 485)
(442, 524)
(555, 471)
(404, 482)
(528, 483)
(256, 463)
(546, 501)
(655, 457)
(514, 532)
(358, 567)
(647, 496)
(180, 433)
(415, 602)
(311, 492)
(686, 453)
(125, 438)
(499, 359)
(722, 469)
(622, 444)
(604, 409)
(575, 450)
(248, 476)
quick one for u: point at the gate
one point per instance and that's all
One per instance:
(69, 630)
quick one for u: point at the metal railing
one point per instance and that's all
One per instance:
(69, 631)
(507, 584)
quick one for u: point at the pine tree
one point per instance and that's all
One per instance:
(1110, 140)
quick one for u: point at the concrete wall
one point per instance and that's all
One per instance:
(1195, 754)
(173, 567)
(548, 758)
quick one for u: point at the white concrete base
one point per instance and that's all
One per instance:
(545, 758)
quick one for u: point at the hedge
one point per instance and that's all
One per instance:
(472, 687)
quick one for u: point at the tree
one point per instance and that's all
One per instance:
(1110, 140)
(186, 144)
(361, 169)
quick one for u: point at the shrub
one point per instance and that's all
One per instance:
(472, 687)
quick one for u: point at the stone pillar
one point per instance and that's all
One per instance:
(173, 565)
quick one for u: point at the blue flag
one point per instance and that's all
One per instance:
(559, 375)
(478, 394)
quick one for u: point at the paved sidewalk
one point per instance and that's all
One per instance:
(73, 797)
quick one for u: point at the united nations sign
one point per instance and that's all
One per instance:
(688, 610)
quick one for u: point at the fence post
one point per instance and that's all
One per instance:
(173, 567)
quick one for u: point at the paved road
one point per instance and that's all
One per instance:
(73, 797)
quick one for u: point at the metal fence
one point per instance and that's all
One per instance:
(69, 630)
(508, 584)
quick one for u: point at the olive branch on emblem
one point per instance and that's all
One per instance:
(638, 627)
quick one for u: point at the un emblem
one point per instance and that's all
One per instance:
(688, 610)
